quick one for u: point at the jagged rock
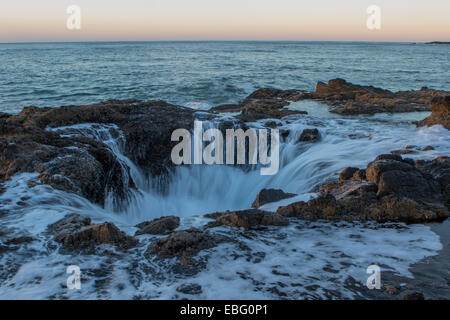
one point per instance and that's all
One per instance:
(347, 173)
(440, 113)
(82, 165)
(325, 207)
(76, 232)
(190, 288)
(264, 103)
(67, 225)
(158, 226)
(349, 98)
(20, 240)
(249, 218)
(309, 135)
(396, 189)
(270, 195)
(184, 243)
(414, 296)
(392, 290)
(401, 178)
(105, 233)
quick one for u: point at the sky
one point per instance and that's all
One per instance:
(142, 20)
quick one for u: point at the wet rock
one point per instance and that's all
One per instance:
(158, 226)
(347, 173)
(396, 190)
(190, 288)
(397, 176)
(348, 98)
(270, 195)
(105, 233)
(414, 296)
(264, 103)
(20, 240)
(324, 207)
(76, 232)
(80, 164)
(184, 243)
(440, 113)
(392, 290)
(249, 218)
(67, 225)
(309, 135)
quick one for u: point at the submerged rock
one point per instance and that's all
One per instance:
(184, 243)
(158, 226)
(309, 135)
(270, 195)
(248, 219)
(190, 288)
(440, 113)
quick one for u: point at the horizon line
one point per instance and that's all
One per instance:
(215, 40)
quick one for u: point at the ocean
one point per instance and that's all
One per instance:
(305, 260)
(205, 74)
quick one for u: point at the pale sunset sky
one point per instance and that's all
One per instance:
(110, 20)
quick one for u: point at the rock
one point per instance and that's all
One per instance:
(20, 240)
(392, 290)
(396, 189)
(359, 175)
(158, 226)
(270, 195)
(324, 207)
(75, 232)
(309, 135)
(184, 243)
(348, 98)
(414, 296)
(69, 224)
(250, 218)
(190, 288)
(105, 233)
(440, 113)
(78, 163)
(402, 179)
(347, 173)
(265, 103)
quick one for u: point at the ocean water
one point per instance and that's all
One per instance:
(302, 261)
(203, 74)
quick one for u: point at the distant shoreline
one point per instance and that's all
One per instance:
(438, 42)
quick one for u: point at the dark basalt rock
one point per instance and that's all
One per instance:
(83, 165)
(248, 219)
(270, 195)
(309, 135)
(158, 226)
(76, 232)
(190, 288)
(440, 113)
(264, 103)
(347, 173)
(396, 189)
(348, 98)
(184, 243)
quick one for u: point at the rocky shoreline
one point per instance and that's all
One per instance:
(391, 188)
